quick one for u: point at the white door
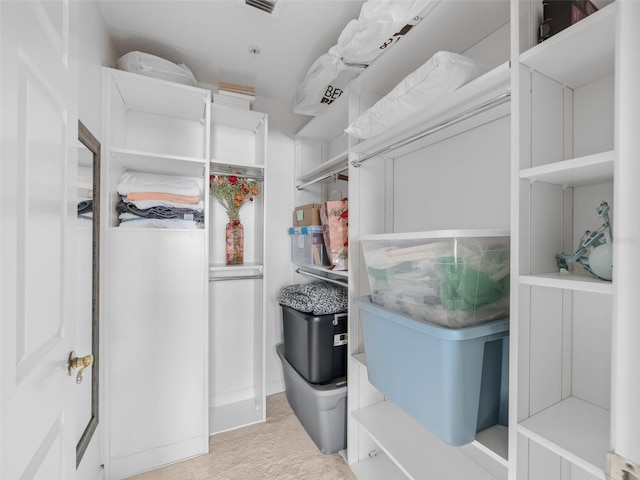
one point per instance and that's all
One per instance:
(37, 262)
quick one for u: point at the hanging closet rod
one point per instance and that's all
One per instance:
(246, 277)
(304, 272)
(258, 176)
(333, 172)
(483, 107)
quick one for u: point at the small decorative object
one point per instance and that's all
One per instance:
(595, 251)
(232, 192)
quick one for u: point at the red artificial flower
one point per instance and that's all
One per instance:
(233, 179)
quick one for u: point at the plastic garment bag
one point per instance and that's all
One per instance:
(324, 83)
(380, 25)
(156, 67)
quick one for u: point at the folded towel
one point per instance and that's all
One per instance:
(189, 200)
(154, 182)
(160, 212)
(142, 204)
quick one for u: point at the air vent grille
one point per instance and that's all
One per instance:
(265, 5)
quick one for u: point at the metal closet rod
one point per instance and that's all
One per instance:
(304, 272)
(258, 176)
(483, 107)
(333, 172)
(236, 277)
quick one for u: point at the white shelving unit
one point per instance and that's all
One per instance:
(407, 154)
(564, 163)
(156, 281)
(237, 295)
(565, 138)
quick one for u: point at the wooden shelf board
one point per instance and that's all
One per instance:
(337, 164)
(576, 172)
(160, 97)
(556, 57)
(157, 163)
(236, 117)
(569, 281)
(416, 451)
(378, 467)
(575, 430)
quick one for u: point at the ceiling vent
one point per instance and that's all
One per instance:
(271, 7)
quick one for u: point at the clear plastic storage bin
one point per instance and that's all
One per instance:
(307, 246)
(453, 278)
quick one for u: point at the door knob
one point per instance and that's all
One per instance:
(82, 363)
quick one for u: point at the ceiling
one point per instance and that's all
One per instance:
(213, 38)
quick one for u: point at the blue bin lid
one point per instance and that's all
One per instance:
(422, 326)
(304, 230)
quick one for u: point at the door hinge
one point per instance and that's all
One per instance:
(619, 468)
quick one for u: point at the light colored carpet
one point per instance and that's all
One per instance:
(278, 449)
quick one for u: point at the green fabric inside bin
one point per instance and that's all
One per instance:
(464, 287)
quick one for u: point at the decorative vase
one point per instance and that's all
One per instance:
(235, 242)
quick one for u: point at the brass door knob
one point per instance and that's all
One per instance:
(82, 363)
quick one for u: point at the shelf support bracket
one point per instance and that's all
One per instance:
(619, 468)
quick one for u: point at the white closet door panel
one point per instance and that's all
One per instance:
(547, 120)
(592, 348)
(157, 341)
(545, 348)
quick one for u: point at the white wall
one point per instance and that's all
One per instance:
(280, 182)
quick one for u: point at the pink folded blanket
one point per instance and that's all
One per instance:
(133, 196)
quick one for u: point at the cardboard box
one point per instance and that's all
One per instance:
(307, 215)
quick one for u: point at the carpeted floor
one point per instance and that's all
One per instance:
(278, 449)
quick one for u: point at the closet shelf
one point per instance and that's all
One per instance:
(160, 97)
(225, 168)
(249, 271)
(377, 466)
(573, 429)
(157, 163)
(326, 171)
(582, 282)
(323, 273)
(236, 118)
(400, 437)
(576, 172)
(330, 124)
(483, 100)
(556, 57)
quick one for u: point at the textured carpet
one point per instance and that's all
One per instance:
(278, 449)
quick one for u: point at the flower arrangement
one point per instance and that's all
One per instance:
(232, 192)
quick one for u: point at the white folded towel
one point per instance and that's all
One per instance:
(155, 182)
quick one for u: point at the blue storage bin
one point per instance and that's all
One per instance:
(452, 381)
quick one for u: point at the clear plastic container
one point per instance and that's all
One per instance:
(453, 278)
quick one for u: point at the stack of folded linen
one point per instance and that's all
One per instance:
(85, 197)
(150, 200)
